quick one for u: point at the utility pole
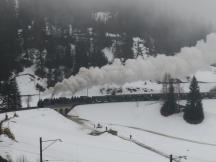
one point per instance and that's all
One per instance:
(28, 101)
(171, 158)
(41, 158)
(39, 94)
(41, 147)
(178, 91)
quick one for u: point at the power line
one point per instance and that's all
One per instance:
(89, 146)
(56, 158)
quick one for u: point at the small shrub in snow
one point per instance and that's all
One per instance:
(15, 115)
(8, 133)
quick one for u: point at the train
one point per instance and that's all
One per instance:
(118, 98)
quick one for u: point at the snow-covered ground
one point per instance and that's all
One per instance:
(27, 81)
(171, 135)
(76, 144)
(142, 120)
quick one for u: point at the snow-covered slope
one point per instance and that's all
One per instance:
(77, 145)
(27, 81)
(171, 135)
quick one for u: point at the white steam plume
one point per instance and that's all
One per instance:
(186, 62)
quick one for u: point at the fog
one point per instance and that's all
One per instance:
(202, 10)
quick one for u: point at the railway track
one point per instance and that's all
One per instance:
(83, 100)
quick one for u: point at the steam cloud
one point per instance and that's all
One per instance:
(184, 63)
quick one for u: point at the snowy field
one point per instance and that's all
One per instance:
(77, 145)
(153, 136)
(142, 120)
(170, 135)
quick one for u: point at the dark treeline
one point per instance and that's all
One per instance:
(60, 37)
(116, 98)
(168, 33)
(10, 50)
(98, 99)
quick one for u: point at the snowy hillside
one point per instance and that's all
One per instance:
(28, 86)
(170, 135)
(76, 144)
(154, 137)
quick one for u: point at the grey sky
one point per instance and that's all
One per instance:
(196, 8)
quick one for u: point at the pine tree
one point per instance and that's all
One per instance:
(169, 107)
(39, 33)
(127, 46)
(68, 58)
(9, 46)
(193, 113)
(11, 94)
(81, 55)
(14, 100)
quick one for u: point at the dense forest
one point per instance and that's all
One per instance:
(60, 37)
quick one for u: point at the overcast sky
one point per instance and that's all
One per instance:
(199, 8)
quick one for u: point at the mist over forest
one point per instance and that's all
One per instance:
(58, 37)
(171, 27)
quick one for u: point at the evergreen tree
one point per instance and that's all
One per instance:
(118, 53)
(82, 57)
(14, 96)
(9, 46)
(193, 113)
(68, 58)
(10, 91)
(50, 79)
(98, 59)
(169, 107)
(39, 35)
(127, 46)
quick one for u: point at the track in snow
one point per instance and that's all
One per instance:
(155, 133)
(166, 135)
